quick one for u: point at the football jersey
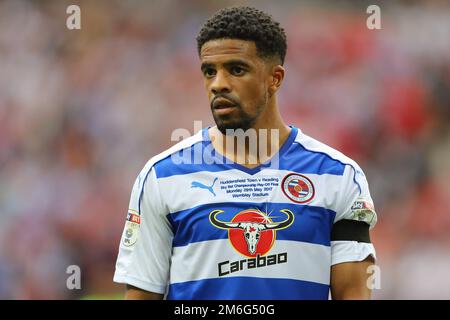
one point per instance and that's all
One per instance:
(200, 226)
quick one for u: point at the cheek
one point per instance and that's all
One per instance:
(255, 94)
(246, 85)
(206, 85)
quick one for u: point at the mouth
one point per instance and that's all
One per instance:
(223, 106)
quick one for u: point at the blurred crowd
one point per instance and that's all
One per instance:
(81, 111)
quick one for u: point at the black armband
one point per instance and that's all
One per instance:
(350, 230)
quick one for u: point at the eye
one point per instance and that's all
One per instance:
(237, 71)
(209, 72)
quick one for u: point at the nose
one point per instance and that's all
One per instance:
(220, 83)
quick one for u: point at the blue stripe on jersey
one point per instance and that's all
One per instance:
(248, 288)
(339, 166)
(302, 160)
(202, 157)
(311, 224)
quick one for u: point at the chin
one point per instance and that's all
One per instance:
(234, 122)
(233, 126)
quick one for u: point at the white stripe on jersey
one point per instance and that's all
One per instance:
(326, 189)
(307, 268)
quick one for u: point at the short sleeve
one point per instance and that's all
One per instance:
(146, 244)
(355, 203)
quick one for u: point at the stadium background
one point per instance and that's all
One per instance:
(82, 111)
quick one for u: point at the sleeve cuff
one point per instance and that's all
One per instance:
(138, 283)
(350, 251)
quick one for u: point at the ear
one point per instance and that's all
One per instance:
(277, 76)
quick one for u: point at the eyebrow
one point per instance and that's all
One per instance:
(237, 62)
(206, 66)
(234, 62)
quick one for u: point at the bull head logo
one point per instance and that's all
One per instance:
(252, 230)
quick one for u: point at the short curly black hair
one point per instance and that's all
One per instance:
(246, 23)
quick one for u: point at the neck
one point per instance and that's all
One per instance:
(258, 144)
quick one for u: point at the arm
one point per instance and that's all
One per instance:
(349, 280)
(134, 293)
(352, 251)
(145, 248)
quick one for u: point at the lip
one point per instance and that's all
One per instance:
(222, 110)
(222, 103)
(223, 106)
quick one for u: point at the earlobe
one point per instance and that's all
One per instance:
(272, 88)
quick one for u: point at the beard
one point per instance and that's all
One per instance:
(239, 119)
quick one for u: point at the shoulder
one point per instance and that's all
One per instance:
(326, 153)
(164, 159)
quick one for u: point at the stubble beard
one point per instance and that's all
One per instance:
(242, 120)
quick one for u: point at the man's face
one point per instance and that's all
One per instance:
(236, 80)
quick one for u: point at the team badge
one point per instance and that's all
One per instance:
(298, 188)
(131, 229)
(251, 232)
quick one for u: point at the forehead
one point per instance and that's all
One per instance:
(224, 49)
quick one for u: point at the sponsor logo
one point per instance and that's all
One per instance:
(227, 267)
(196, 184)
(363, 210)
(131, 228)
(252, 233)
(298, 188)
(362, 204)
